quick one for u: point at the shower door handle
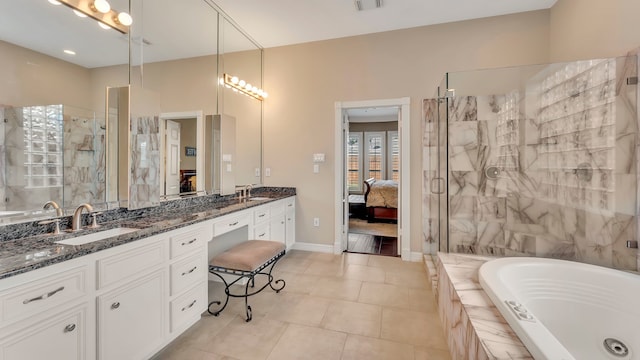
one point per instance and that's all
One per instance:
(437, 189)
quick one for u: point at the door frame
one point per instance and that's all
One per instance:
(404, 218)
(200, 167)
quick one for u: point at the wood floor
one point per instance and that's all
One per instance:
(373, 244)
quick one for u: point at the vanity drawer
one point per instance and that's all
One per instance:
(261, 232)
(44, 294)
(187, 307)
(130, 263)
(261, 214)
(187, 272)
(188, 239)
(229, 224)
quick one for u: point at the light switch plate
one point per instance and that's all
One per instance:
(316, 168)
(267, 172)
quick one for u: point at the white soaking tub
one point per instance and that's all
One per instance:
(567, 310)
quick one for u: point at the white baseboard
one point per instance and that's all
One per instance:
(417, 256)
(313, 247)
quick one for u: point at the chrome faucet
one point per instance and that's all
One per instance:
(76, 220)
(52, 204)
(247, 191)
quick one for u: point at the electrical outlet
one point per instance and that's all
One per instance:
(257, 172)
(316, 221)
(316, 168)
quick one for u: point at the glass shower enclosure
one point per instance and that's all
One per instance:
(534, 161)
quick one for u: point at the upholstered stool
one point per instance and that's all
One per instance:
(247, 260)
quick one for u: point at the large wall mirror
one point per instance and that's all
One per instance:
(175, 95)
(54, 71)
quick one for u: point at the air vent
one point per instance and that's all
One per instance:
(367, 4)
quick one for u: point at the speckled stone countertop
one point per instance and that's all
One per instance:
(25, 247)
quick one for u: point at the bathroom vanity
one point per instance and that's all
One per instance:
(127, 296)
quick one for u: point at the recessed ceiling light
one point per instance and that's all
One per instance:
(70, 52)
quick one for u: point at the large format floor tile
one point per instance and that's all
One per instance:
(349, 306)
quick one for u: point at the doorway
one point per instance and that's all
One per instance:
(181, 162)
(387, 146)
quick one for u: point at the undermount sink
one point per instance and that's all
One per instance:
(258, 198)
(96, 236)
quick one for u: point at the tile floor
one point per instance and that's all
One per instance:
(349, 306)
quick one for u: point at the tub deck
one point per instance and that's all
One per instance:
(473, 326)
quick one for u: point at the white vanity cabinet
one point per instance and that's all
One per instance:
(276, 221)
(45, 314)
(131, 299)
(131, 321)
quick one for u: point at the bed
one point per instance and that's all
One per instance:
(381, 200)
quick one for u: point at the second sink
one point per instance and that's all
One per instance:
(96, 236)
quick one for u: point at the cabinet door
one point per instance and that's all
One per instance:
(290, 227)
(60, 337)
(131, 318)
(277, 228)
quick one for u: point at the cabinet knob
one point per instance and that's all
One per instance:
(69, 328)
(115, 305)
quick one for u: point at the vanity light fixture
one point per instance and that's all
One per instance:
(100, 10)
(242, 86)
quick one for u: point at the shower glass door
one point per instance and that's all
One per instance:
(538, 161)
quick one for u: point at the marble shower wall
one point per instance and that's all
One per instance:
(3, 166)
(144, 180)
(84, 160)
(547, 170)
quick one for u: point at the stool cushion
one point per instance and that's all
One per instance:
(248, 255)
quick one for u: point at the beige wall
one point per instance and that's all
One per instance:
(584, 29)
(31, 78)
(304, 82)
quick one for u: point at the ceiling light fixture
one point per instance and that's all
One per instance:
(101, 6)
(244, 87)
(101, 11)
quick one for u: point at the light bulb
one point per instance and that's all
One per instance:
(55, 2)
(124, 19)
(265, 95)
(234, 80)
(254, 89)
(103, 25)
(80, 14)
(248, 87)
(69, 52)
(260, 92)
(101, 6)
(242, 83)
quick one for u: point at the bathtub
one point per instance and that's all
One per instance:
(567, 310)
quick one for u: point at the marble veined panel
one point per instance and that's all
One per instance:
(625, 163)
(490, 106)
(463, 108)
(144, 186)
(430, 110)
(488, 133)
(463, 134)
(462, 158)
(474, 328)
(492, 209)
(625, 185)
(463, 183)
(462, 207)
(490, 234)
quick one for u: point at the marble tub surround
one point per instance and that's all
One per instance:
(25, 247)
(549, 169)
(473, 326)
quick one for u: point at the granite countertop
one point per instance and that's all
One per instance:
(23, 254)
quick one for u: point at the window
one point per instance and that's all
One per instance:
(354, 162)
(374, 165)
(393, 145)
(42, 146)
